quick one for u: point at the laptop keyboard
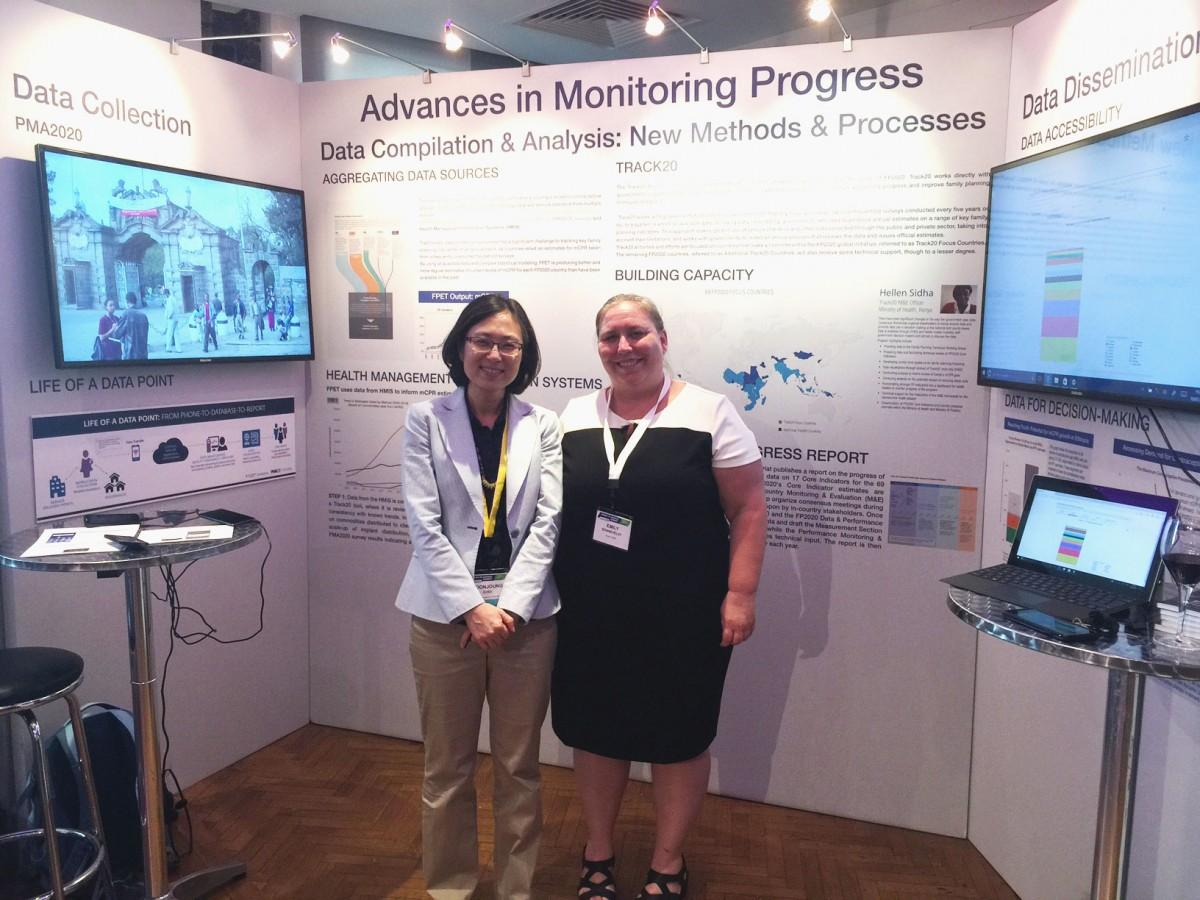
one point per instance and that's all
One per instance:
(1055, 587)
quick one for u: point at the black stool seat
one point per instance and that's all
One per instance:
(30, 673)
(31, 677)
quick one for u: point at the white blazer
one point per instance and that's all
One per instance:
(444, 500)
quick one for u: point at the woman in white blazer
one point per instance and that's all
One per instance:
(483, 491)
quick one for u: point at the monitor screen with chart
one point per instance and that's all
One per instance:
(1091, 279)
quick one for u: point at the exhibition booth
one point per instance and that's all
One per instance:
(812, 224)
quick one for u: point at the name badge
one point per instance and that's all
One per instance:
(612, 529)
(489, 584)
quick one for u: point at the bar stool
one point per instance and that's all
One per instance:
(32, 677)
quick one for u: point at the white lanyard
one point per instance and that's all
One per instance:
(616, 464)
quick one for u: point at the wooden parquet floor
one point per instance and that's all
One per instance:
(327, 814)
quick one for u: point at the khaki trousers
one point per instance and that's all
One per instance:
(452, 684)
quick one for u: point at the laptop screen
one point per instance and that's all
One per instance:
(1101, 537)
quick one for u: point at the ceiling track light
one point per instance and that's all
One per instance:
(340, 55)
(453, 42)
(282, 41)
(655, 27)
(451, 38)
(820, 10)
(654, 24)
(337, 51)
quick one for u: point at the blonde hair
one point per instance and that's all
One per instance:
(645, 303)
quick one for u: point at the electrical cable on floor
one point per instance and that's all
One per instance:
(177, 609)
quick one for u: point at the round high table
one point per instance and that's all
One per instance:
(136, 566)
(1129, 658)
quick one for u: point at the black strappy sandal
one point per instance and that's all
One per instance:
(665, 882)
(605, 888)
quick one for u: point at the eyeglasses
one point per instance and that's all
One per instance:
(481, 344)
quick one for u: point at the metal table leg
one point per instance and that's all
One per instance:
(1118, 775)
(150, 786)
(145, 718)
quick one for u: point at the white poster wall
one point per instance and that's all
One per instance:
(1039, 721)
(72, 81)
(805, 219)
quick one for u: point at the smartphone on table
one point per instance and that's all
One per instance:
(1059, 629)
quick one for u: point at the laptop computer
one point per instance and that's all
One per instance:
(1079, 549)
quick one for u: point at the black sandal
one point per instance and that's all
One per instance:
(605, 888)
(664, 882)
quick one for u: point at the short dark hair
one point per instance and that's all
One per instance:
(484, 307)
(130, 298)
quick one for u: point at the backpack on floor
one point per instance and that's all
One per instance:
(113, 753)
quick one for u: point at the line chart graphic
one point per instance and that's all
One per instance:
(373, 473)
(352, 429)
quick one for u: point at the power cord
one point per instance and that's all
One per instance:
(171, 598)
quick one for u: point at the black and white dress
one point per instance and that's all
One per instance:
(640, 668)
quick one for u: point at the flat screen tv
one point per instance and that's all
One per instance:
(1092, 277)
(153, 265)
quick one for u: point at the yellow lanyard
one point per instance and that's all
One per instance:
(489, 515)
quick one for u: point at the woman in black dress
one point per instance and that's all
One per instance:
(664, 526)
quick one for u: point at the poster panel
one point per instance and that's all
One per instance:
(1075, 75)
(73, 81)
(1080, 68)
(806, 221)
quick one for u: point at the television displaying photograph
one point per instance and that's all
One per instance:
(1091, 280)
(154, 265)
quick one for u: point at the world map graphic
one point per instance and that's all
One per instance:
(754, 380)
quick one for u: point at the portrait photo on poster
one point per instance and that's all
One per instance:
(959, 299)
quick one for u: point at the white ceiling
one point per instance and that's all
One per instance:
(717, 24)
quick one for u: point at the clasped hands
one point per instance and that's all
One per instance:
(488, 626)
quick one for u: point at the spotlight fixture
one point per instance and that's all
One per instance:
(820, 10)
(340, 55)
(453, 41)
(282, 43)
(451, 38)
(337, 52)
(655, 27)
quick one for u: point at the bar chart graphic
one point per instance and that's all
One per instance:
(1016, 504)
(1060, 306)
(1071, 545)
(1012, 516)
